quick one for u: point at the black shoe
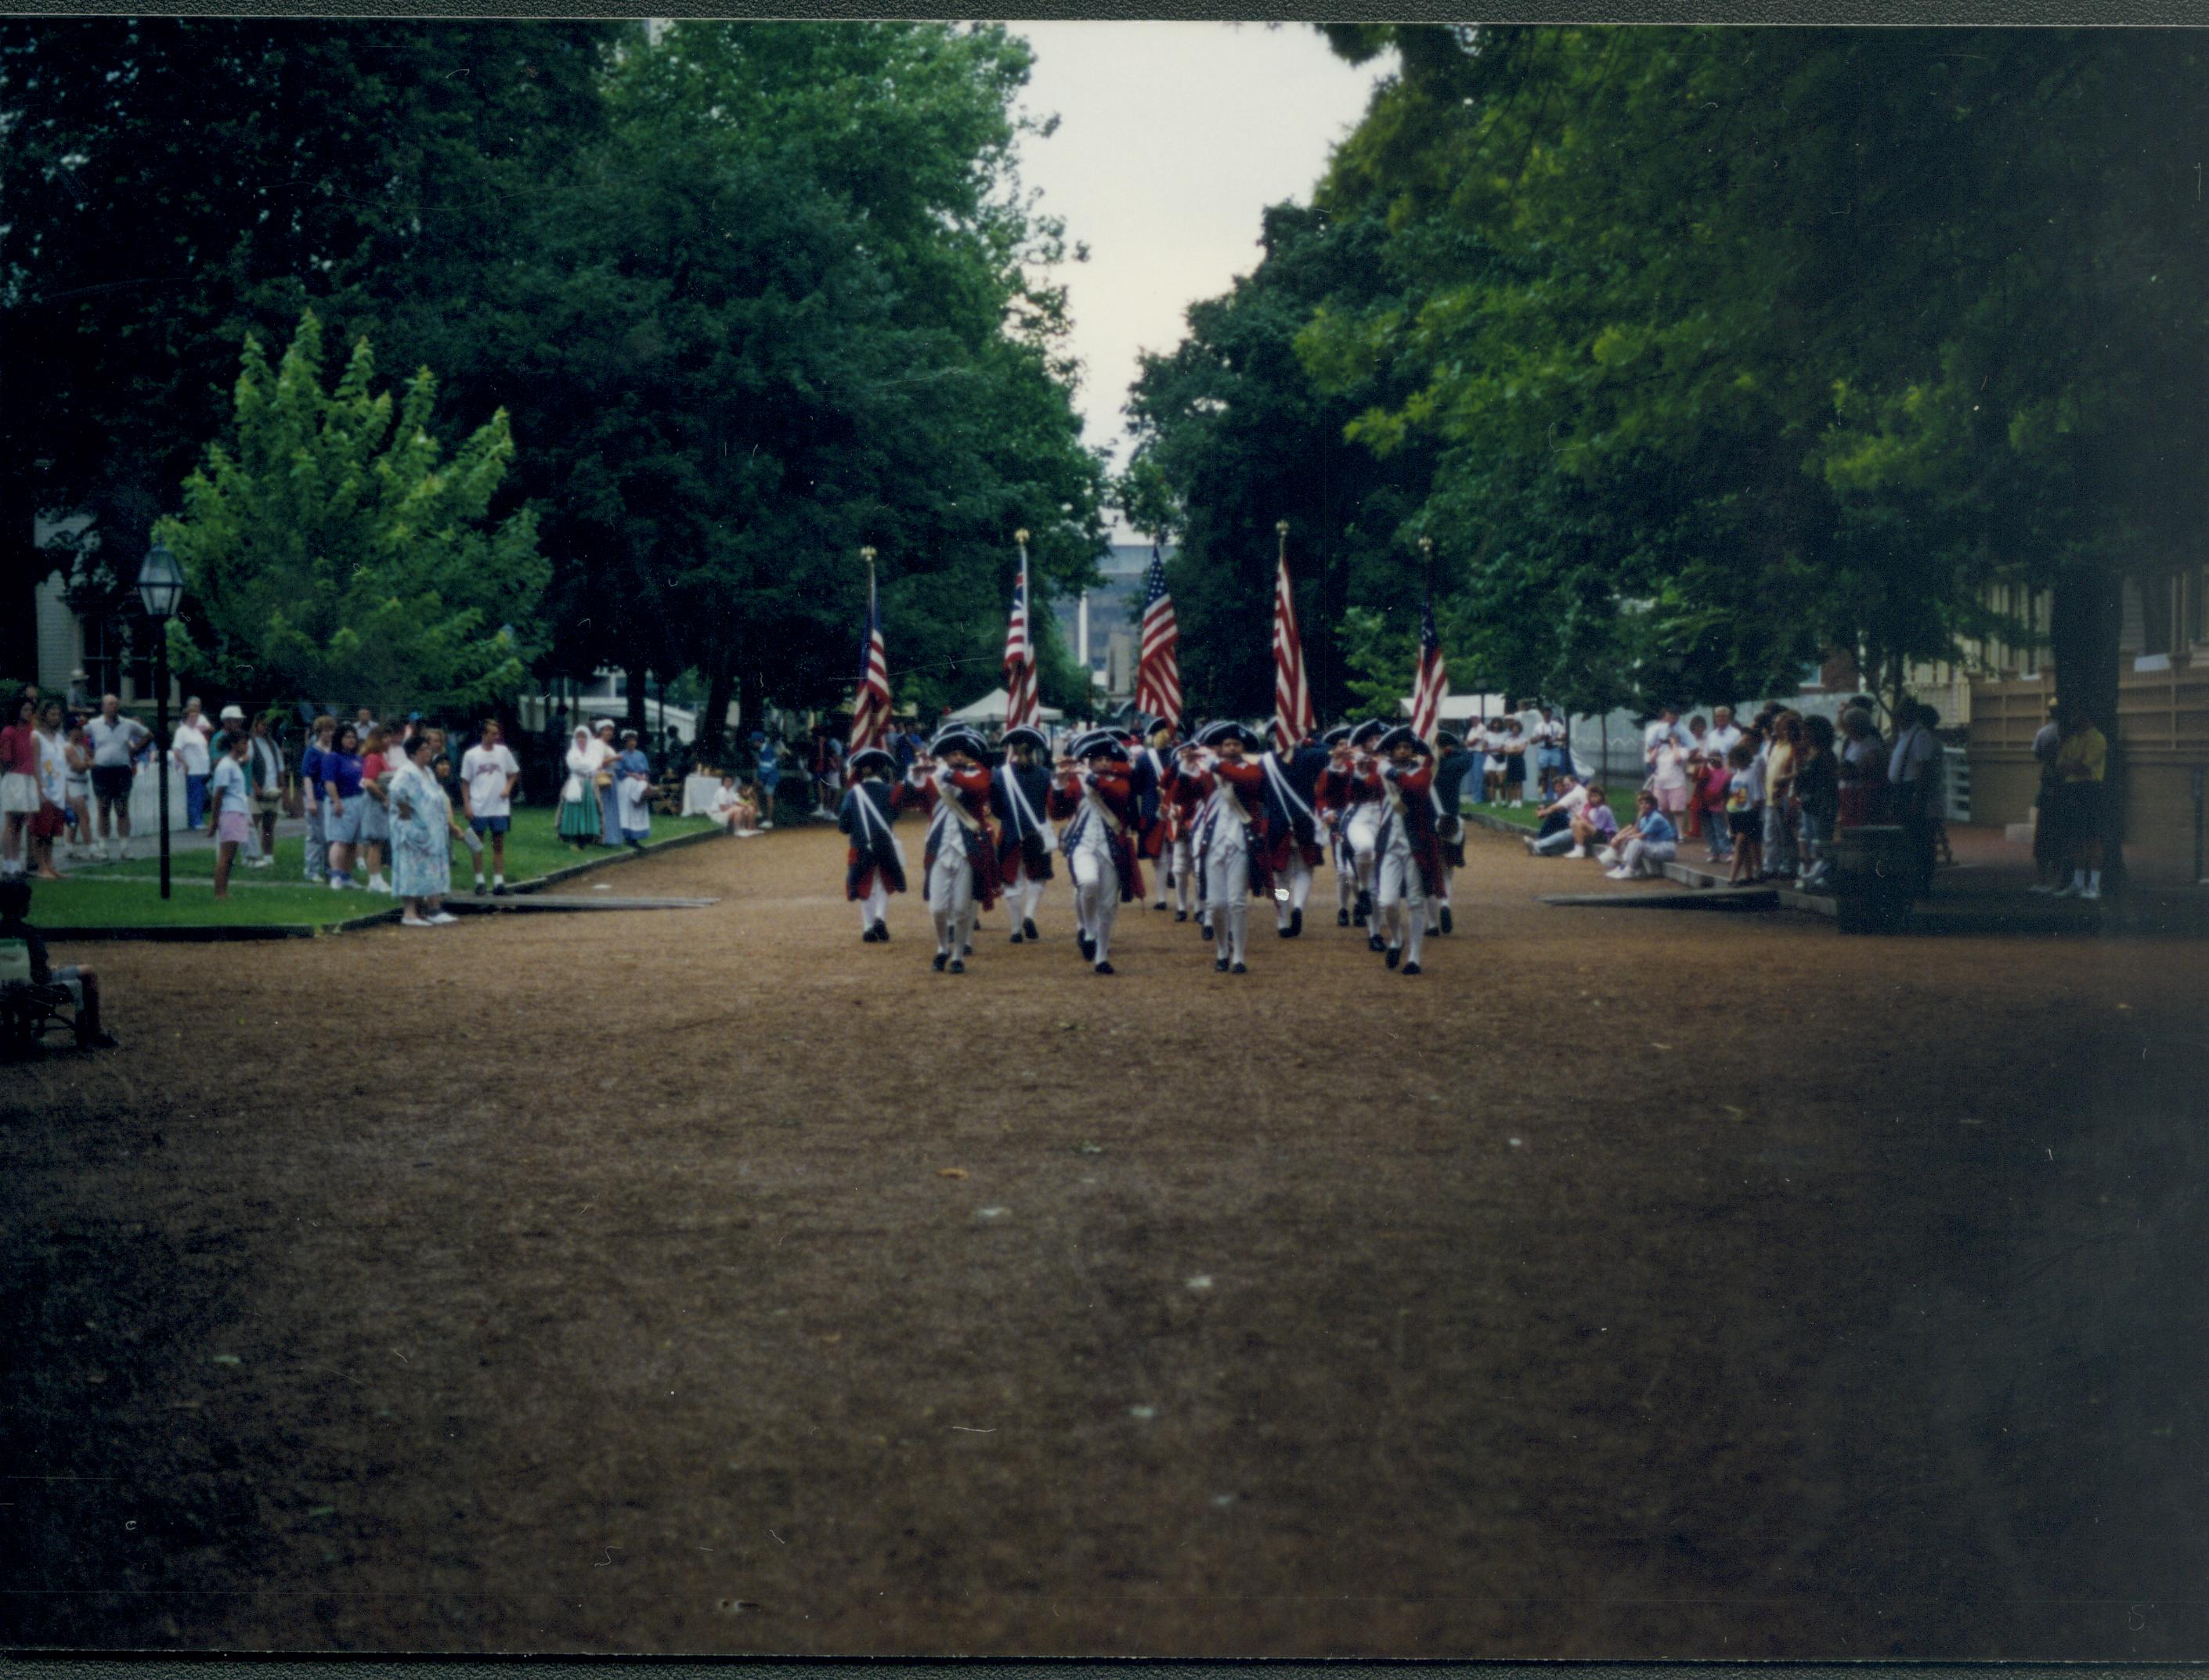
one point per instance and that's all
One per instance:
(1016, 936)
(1181, 915)
(1411, 968)
(882, 932)
(1027, 928)
(1160, 905)
(1281, 930)
(958, 967)
(1239, 969)
(1088, 947)
(1394, 956)
(1342, 918)
(1204, 931)
(867, 937)
(942, 958)
(1295, 924)
(1449, 925)
(1220, 963)
(1375, 942)
(1104, 967)
(1364, 911)
(498, 890)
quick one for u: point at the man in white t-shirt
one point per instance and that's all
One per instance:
(1718, 740)
(488, 775)
(113, 739)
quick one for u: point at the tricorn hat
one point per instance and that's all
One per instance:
(1025, 735)
(1229, 728)
(1336, 737)
(1371, 729)
(959, 739)
(872, 758)
(1099, 743)
(1405, 735)
(1446, 738)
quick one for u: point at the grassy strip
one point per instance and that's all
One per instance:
(115, 896)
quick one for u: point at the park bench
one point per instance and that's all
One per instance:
(28, 1010)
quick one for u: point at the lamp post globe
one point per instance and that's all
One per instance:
(161, 591)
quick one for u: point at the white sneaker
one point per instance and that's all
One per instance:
(2090, 892)
(413, 921)
(337, 884)
(1618, 874)
(2068, 891)
(1577, 851)
(443, 918)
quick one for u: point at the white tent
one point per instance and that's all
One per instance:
(991, 709)
(1460, 709)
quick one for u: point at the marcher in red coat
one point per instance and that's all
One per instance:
(1410, 853)
(1230, 845)
(961, 865)
(1096, 794)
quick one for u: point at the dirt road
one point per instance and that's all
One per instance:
(1627, 1284)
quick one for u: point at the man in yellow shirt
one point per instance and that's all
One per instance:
(2082, 757)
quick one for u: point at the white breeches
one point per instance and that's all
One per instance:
(1180, 864)
(1096, 890)
(951, 897)
(1362, 830)
(1021, 897)
(876, 906)
(1300, 885)
(1403, 901)
(1227, 889)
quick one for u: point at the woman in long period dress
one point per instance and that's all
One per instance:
(421, 817)
(579, 796)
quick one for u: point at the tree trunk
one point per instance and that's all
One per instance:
(751, 700)
(638, 677)
(713, 722)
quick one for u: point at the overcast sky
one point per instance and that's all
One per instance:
(1172, 138)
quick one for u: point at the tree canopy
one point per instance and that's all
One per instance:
(330, 548)
(752, 294)
(1700, 352)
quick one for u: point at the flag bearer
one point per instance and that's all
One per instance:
(874, 864)
(1020, 792)
(1292, 828)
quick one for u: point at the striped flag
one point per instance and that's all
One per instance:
(871, 706)
(1021, 706)
(1293, 707)
(1157, 671)
(1432, 682)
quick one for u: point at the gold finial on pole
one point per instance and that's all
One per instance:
(1020, 536)
(867, 554)
(1281, 530)
(1427, 547)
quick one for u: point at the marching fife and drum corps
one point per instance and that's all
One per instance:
(1223, 820)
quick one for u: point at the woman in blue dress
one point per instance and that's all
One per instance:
(421, 838)
(342, 800)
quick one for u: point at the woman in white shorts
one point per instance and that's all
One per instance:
(19, 782)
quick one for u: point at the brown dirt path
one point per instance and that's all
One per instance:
(1635, 1285)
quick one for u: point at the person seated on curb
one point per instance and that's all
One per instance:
(1593, 825)
(1644, 849)
(23, 963)
(1554, 832)
(733, 811)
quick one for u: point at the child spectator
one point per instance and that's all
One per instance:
(1595, 824)
(1713, 777)
(1744, 807)
(23, 961)
(1651, 844)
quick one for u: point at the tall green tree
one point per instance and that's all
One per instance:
(331, 548)
(1233, 435)
(169, 186)
(783, 311)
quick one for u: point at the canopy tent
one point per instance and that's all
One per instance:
(991, 709)
(1462, 709)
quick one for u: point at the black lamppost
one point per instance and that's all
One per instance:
(160, 589)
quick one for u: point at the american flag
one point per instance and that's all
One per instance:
(1021, 706)
(1157, 671)
(870, 706)
(1432, 682)
(1293, 707)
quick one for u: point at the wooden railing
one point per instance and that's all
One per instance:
(2160, 714)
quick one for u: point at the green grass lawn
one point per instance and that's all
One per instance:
(129, 895)
(86, 902)
(1522, 818)
(532, 848)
